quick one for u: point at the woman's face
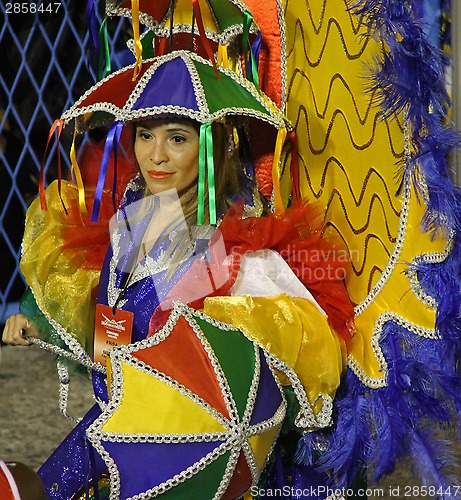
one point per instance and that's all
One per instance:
(167, 153)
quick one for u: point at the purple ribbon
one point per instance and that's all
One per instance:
(256, 48)
(93, 32)
(113, 138)
(114, 184)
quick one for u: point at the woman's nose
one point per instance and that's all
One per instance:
(158, 153)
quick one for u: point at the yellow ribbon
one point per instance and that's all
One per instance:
(236, 137)
(78, 178)
(136, 38)
(278, 203)
(223, 59)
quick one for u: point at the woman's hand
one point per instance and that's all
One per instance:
(17, 330)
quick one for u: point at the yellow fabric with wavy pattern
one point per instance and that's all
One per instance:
(293, 330)
(348, 155)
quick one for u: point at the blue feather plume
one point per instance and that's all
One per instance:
(374, 428)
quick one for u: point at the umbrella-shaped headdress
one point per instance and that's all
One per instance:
(191, 421)
(181, 84)
(196, 94)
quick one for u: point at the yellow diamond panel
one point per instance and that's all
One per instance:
(150, 406)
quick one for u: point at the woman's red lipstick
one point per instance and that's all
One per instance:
(159, 174)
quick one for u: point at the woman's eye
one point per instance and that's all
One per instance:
(178, 138)
(144, 135)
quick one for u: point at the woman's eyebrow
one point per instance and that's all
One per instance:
(178, 129)
(173, 128)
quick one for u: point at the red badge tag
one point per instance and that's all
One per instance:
(110, 330)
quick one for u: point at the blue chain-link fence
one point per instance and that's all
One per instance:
(43, 70)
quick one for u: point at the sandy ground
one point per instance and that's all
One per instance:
(31, 425)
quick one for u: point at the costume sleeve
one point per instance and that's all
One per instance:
(62, 254)
(320, 265)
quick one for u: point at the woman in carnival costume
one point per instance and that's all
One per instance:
(383, 405)
(207, 305)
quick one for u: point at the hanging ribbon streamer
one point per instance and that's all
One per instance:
(201, 177)
(114, 183)
(192, 32)
(203, 37)
(170, 37)
(251, 65)
(113, 138)
(104, 54)
(93, 32)
(210, 173)
(78, 178)
(206, 175)
(278, 203)
(57, 125)
(256, 47)
(223, 59)
(255, 50)
(294, 167)
(136, 38)
(236, 138)
(247, 20)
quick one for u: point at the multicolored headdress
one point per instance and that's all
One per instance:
(216, 22)
(206, 27)
(182, 84)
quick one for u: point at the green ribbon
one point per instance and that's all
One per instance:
(210, 165)
(104, 54)
(201, 176)
(206, 170)
(247, 20)
(252, 75)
